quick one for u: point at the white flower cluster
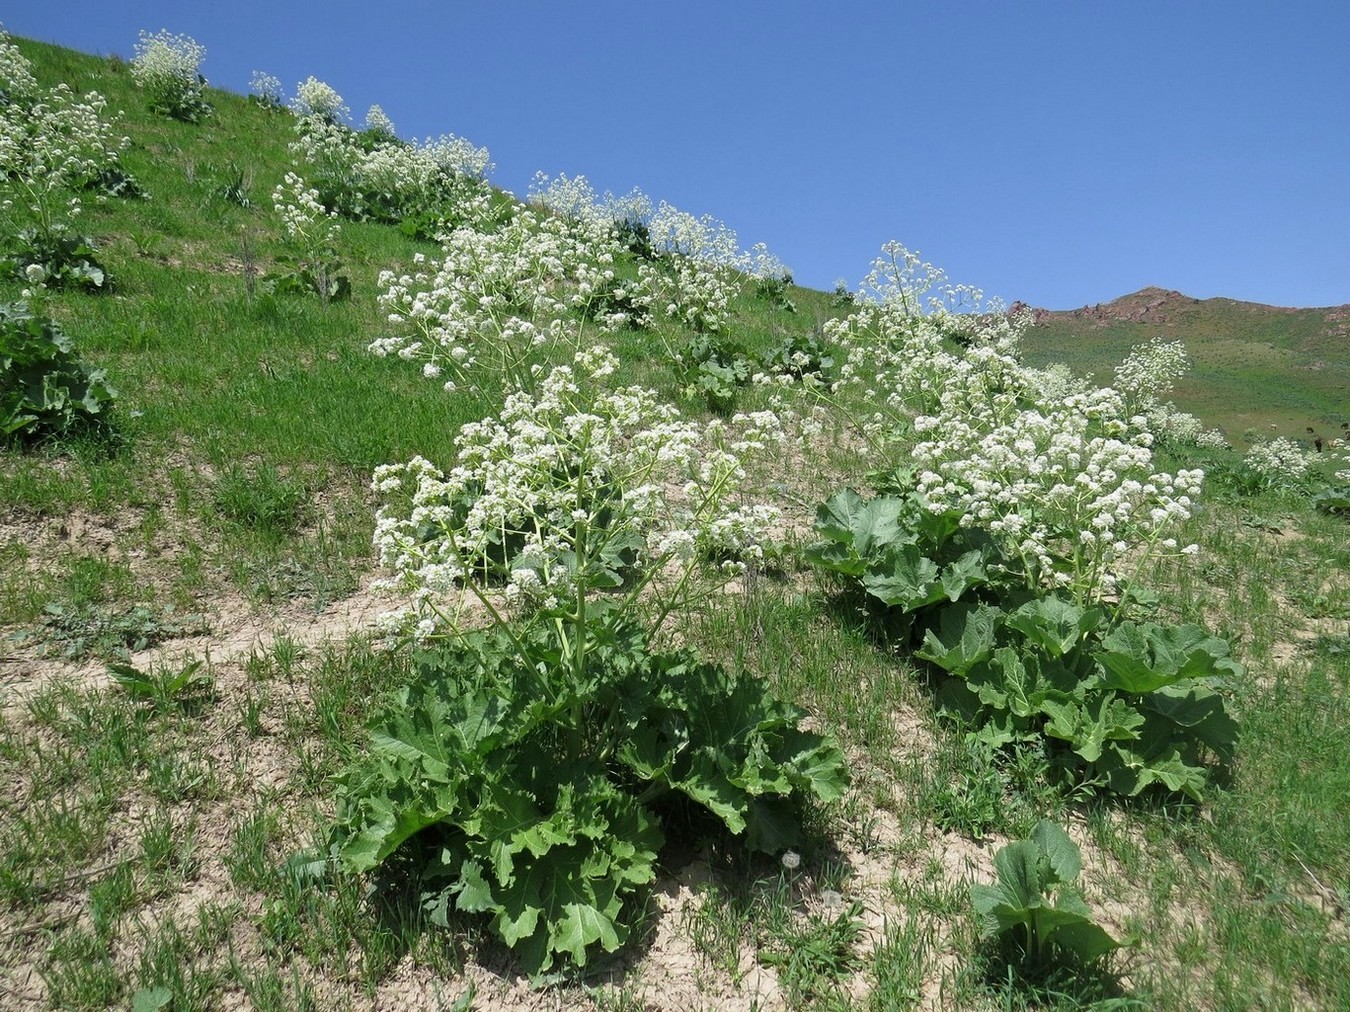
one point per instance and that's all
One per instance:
(1058, 471)
(393, 179)
(317, 100)
(566, 476)
(911, 351)
(705, 239)
(695, 292)
(1278, 462)
(266, 87)
(307, 225)
(456, 154)
(1150, 370)
(758, 262)
(50, 144)
(574, 198)
(17, 83)
(495, 299)
(1065, 487)
(378, 122)
(1212, 439)
(168, 66)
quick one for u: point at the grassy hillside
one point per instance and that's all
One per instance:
(190, 654)
(1254, 366)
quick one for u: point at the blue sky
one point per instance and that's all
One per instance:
(1054, 152)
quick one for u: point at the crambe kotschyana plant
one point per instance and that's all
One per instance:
(1004, 548)
(309, 233)
(168, 68)
(53, 148)
(46, 391)
(530, 767)
(427, 187)
(497, 304)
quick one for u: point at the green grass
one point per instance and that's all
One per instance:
(145, 829)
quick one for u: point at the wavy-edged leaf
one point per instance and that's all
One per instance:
(965, 636)
(904, 578)
(1054, 625)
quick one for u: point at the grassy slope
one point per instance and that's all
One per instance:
(1237, 349)
(244, 475)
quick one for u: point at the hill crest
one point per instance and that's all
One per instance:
(1166, 306)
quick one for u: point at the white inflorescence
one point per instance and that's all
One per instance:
(564, 469)
(1061, 473)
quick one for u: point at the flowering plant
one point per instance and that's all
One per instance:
(314, 99)
(525, 764)
(168, 68)
(375, 175)
(310, 234)
(52, 145)
(1008, 540)
(1277, 464)
(265, 89)
(498, 303)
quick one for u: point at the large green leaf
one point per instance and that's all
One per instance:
(1131, 769)
(965, 636)
(1088, 726)
(1054, 625)
(967, 571)
(1034, 901)
(1201, 712)
(854, 530)
(1139, 658)
(904, 578)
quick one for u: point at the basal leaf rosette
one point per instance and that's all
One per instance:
(533, 792)
(574, 490)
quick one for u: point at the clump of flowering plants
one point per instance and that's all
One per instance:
(1004, 546)
(496, 304)
(532, 764)
(53, 147)
(168, 68)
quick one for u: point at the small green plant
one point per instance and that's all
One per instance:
(163, 687)
(260, 499)
(1034, 906)
(773, 289)
(54, 257)
(802, 355)
(46, 392)
(77, 631)
(842, 297)
(814, 955)
(715, 368)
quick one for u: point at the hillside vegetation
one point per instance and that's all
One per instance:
(413, 596)
(1235, 347)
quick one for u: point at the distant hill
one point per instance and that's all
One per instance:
(1254, 366)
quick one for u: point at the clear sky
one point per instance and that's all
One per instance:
(1061, 153)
